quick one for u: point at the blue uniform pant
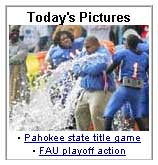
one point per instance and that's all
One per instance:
(120, 97)
(126, 110)
(144, 101)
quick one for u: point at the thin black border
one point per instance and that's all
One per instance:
(151, 55)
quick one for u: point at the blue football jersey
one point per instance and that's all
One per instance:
(132, 65)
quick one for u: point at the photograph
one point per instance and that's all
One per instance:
(78, 78)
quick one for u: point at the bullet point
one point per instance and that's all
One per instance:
(33, 150)
(18, 137)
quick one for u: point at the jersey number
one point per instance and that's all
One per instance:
(136, 69)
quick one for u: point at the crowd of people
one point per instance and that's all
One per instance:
(113, 73)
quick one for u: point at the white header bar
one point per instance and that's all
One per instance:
(77, 15)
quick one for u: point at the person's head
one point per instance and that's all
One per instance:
(64, 39)
(91, 44)
(132, 41)
(14, 35)
(127, 33)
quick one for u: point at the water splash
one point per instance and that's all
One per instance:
(51, 105)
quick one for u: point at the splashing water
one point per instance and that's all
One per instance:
(51, 107)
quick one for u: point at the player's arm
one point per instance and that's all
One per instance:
(111, 68)
(117, 58)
